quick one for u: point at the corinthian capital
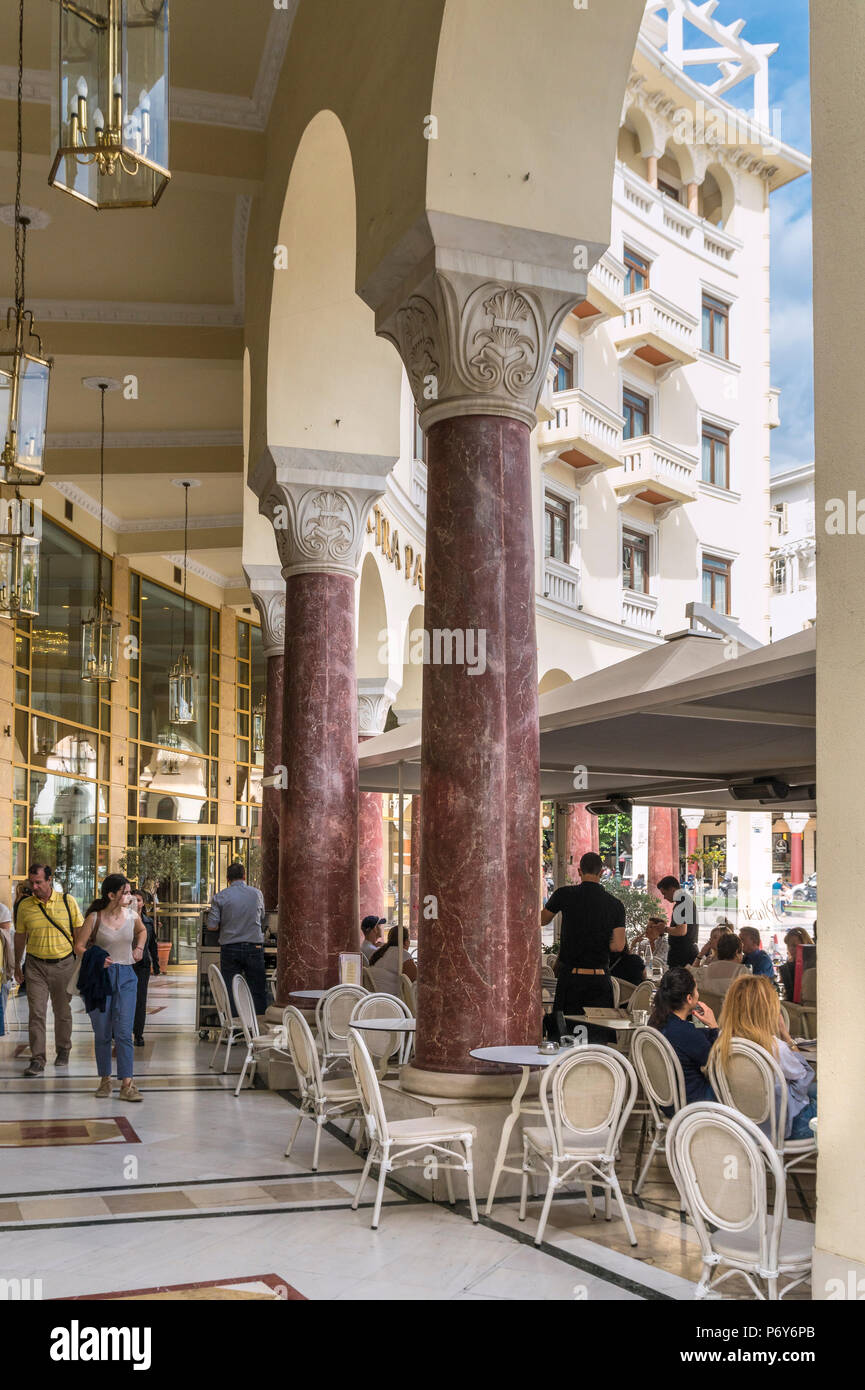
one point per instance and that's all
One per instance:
(374, 699)
(475, 321)
(267, 587)
(318, 503)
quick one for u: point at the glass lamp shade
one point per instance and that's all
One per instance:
(110, 111)
(100, 635)
(19, 574)
(181, 692)
(24, 379)
(259, 715)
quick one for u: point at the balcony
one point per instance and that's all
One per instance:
(639, 610)
(673, 220)
(583, 433)
(660, 474)
(418, 485)
(561, 582)
(657, 332)
(605, 295)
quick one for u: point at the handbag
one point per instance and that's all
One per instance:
(72, 982)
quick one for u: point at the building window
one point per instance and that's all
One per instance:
(716, 583)
(636, 272)
(716, 456)
(563, 363)
(419, 438)
(635, 561)
(557, 528)
(669, 191)
(716, 327)
(635, 409)
(779, 575)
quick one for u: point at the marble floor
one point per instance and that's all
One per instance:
(188, 1196)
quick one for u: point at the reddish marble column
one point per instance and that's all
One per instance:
(371, 854)
(478, 966)
(797, 858)
(690, 848)
(318, 878)
(414, 882)
(271, 797)
(582, 838)
(663, 858)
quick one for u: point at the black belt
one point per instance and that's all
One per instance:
(50, 960)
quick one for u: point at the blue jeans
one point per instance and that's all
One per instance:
(116, 1021)
(247, 959)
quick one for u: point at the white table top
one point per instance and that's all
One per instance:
(517, 1055)
(387, 1025)
(620, 1024)
(309, 993)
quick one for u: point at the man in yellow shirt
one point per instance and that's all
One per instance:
(45, 923)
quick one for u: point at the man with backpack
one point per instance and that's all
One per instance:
(45, 922)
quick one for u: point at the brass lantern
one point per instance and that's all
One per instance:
(110, 107)
(182, 680)
(259, 715)
(19, 560)
(100, 633)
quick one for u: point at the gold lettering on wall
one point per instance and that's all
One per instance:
(378, 524)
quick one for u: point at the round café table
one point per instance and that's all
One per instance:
(308, 993)
(388, 1025)
(527, 1057)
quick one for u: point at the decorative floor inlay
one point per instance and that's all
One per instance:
(263, 1287)
(25, 1134)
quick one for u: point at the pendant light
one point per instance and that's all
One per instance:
(182, 680)
(19, 558)
(25, 371)
(110, 105)
(100, 634)
(259, 715)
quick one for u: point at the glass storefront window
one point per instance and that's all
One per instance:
(164, 633)
(68, 582)
(172, 781)
(63, 823)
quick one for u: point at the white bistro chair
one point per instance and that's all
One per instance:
(641, 997)
(229, 1024)
(721, 1163)
(586, 1099)
(383, 1047)
(754, 1084)
(332, 1013)
(660, 1074)
(256, 1042)
(320, 1100)
(396, 1143)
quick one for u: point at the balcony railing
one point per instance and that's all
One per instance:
(605, 293)
(657, 473)
(639, 610)
(561, 582)
(657, 210)
(657, 331)
(583, 431)
(418, 485)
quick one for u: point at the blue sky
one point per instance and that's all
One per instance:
(785, 22)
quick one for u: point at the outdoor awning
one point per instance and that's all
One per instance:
(673, 726)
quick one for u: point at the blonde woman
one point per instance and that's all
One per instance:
(752, 1011)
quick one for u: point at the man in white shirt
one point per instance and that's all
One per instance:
(373, 937)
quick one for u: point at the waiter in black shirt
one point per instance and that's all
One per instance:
(593, 925)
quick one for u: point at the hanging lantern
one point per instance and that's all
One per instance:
(100, 634)
(25, 371)
(170, 760)
(259, 714)
(110, 106)
(19, 560)
(181, 692)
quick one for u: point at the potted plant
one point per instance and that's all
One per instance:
(639, 907)
(156, 860)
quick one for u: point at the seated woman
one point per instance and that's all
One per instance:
(676, 1001)
(797, 936)
(627, 966)
(719, 974)
(752, 1010)
(384, 966)
(709, 951)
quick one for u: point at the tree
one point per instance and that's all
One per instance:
(156, 859)
(639, 906)
(711, 859)
(607, 834)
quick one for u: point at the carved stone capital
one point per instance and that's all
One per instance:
(374, 699)
(267, 587)
(477, 345)
(318, 503)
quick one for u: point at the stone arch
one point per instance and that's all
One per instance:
(646, 137)
(718, 196)
(411, 694)
(552, 680)
(377, 656)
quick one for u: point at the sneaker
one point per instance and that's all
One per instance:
(130, 1092)
(103, 1090)
(62, 1059)
(139, 1042)
(35, 1069)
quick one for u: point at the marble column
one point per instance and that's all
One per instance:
(476, 348)
(796, 822)
(374, 699)
(640, 844)
(663, 855)
(318, 503)
(267, 587)
(414, 878)
(693, 820)
(582, 838)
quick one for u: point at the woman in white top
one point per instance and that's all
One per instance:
(112, 923)
(384, 965)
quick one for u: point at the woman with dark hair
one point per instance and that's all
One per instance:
(676, 1000)
(113, 925)
(385, 966)
(150, 961)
